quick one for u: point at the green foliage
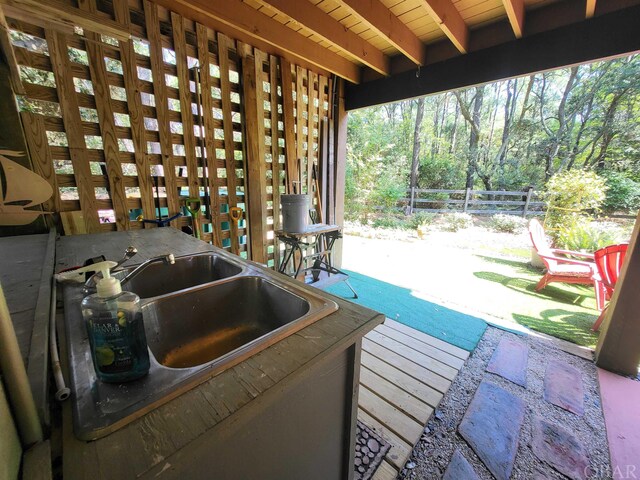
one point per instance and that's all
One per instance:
(623, 193)
(572, 197)
(387, 192)
(388, 221)
(420, 219)
(589, 237)
(440, 172)
(507, 223)
(452, 222)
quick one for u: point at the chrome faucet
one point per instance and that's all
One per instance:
(90, 285)
(167, 259)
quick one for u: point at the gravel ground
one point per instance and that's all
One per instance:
(432, 454)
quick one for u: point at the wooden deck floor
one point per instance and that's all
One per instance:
(403, 377)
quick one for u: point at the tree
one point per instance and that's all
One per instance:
(415, 158)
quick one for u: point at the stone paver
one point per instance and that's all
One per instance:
(560, 449)
(563, 387)
(509, 360)
(459, 468)
(491, 425)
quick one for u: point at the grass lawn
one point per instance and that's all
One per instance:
(483, 271)
(561, 310)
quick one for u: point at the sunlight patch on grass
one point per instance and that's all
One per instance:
(562, 310)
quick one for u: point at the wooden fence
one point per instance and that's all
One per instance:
(479, 202)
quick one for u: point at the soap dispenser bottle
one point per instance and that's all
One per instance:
(116, 333)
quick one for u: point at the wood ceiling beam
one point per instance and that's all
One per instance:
(63, 14)
(307, 15)
(256, 25)
(450, 22)
(10, 57)
(515, 13)
(591, 8)
(601, 37)
(380, 19)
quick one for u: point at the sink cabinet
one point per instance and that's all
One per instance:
(287, 412)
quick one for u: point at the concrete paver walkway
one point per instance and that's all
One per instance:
(492, 423)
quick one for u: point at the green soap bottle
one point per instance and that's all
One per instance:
(116, 332)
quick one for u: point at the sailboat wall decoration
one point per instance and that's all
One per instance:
(20, 189)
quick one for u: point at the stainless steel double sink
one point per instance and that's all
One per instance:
(202, 315)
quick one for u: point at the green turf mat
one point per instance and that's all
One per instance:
(402, 305)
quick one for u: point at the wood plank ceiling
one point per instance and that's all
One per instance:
(365, 39)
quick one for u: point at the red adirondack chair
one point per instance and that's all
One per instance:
(561, 268)
(609, 263)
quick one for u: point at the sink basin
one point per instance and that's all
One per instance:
(159, 278)
(202, 315)
(207, 323)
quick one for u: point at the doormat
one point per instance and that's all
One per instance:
(370, 450)
(405, 306)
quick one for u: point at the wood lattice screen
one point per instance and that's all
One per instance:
(115, 126)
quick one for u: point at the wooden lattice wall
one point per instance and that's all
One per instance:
(114, 125)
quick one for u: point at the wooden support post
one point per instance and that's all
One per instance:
(311, 111)
(276, 178)
(73, 128)
(224, 45)
(300, 151)
(411, 199)
(186, 113)
(341, 165)
(136, 117)
(323, 161)
(161, 103)
(291, 162)
(331, 181)
(467, 199)
(209, 128)
(618, 347)
(256, 182)
(106, 120)
(527, 202)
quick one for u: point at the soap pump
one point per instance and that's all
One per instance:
(116, 332)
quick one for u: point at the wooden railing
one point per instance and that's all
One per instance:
(479, 202)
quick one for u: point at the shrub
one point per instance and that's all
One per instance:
(387, 192)
(623, 193)
(589, 237)
(572, 197)
(507, 223)
(452, 222)
(387, 221)
(420, 219)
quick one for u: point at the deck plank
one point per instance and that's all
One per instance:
(411, 354)
(405, 427)
(428, 339)
(416, 371)
(385, 472)
(406, 403)
(400, 450)
(417, 388)
(403, 378)
(422, 347)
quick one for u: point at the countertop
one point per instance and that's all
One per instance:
(26, 266)
(149, 445)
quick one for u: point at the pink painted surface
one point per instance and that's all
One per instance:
(621, 406)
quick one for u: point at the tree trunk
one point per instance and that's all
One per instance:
(415, 159)
(474, 137)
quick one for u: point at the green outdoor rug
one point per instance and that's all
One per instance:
(401, 305)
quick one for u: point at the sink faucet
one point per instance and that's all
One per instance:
(167, 259)
(90, 285)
